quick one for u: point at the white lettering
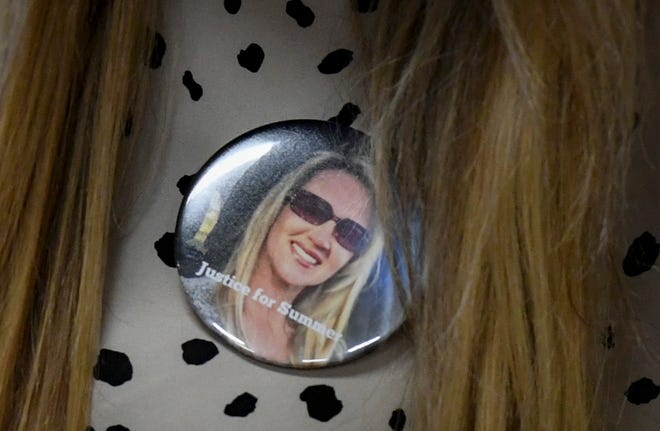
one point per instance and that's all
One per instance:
(202, 268)
(284, 308)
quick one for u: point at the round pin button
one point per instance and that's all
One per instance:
(280, 250)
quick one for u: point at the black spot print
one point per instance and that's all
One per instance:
(89, 429)
(365, 6)
(303, 15)
(232, 6)
(349, 112)
(322, 404)
(251, 57)
(194, 88)
(157, 52)
(198, 352)
(242, 405)
(165, 249)
(608, 338)
(336, 61)
(112, 367)
(636, 119)
(642, 391)
(185, 183)
(397, 420)
(117, 428)
(641, 255)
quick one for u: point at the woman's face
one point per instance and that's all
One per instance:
(304, 254)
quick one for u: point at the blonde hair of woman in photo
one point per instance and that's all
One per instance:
(329, 301)
(502, 127)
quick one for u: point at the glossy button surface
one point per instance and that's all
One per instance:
(279, 248)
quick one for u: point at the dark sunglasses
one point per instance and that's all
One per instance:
(316, 210)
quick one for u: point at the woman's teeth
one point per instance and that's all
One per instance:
(304, 255)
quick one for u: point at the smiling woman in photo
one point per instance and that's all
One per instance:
(309, 247)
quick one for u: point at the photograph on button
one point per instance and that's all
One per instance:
(288, 263)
